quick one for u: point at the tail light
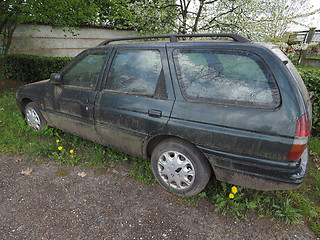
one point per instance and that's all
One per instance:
(301, 138)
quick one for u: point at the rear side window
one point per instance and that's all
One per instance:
(225, 76)
(135, 72)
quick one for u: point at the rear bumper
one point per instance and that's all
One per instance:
(256, 173)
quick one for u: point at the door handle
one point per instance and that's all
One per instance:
(154, 113)
(84, 100)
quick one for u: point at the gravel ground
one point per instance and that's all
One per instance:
(54, 202)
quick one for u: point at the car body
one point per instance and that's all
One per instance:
(237, 107)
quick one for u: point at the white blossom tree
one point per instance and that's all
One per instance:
(256, 19)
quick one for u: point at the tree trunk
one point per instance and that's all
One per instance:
(195, 26)
(184, 13)
(7, 33)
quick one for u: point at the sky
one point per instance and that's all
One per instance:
(312, 21)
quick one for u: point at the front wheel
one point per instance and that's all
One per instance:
(34, 117)
(180, 167)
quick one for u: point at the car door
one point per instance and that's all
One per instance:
(135, 102)
(73, 100)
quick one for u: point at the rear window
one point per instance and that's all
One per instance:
(225, 76)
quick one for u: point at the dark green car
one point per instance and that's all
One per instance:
(236, 107)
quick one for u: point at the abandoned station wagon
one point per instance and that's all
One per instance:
(236, 107)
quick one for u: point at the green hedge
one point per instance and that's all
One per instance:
(311, 77)
(32, 68)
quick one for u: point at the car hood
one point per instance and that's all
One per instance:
(33, 90)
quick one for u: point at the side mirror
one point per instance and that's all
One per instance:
(55, 79)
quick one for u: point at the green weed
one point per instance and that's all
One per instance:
(62, 172)
(191, 201)
(230, 199)
(316, 227)
(287, 212)
(271, 204)
(314, 145)
(202, 195)
(142, 170)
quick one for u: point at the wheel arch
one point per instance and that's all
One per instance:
(153, 142)
(24, 103)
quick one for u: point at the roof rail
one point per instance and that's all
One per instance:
(174, 37)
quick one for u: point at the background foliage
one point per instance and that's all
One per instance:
(32, 68)
(255, 19)
(311, 77)
(68, 14)
(144, 16)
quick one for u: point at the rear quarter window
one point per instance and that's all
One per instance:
(234, 77)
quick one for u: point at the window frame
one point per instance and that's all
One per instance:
(273, 86)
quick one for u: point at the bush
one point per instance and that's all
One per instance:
(32, 68)
(311, 77)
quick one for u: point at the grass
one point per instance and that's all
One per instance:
(313, 56)
(14, 131)
(307, 68)
(66, 149)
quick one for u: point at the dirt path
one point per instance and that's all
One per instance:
(53, 202)
(10, 84)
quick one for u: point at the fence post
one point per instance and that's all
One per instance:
(308, 39)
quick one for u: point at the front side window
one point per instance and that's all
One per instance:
(135, 72)
(85, 73)
(225, 76)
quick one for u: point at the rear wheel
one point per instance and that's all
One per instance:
(34, 117)
(180, 167)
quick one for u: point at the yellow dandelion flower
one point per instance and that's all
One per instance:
(71, 151)
(231, 196)
(57, 140)
(60, 148)
(234, 190)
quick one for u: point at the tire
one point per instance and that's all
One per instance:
(34, 117)
(180, 167)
